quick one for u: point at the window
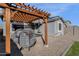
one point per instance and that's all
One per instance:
(16, 26)
(59, 26)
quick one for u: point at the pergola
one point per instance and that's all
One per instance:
(20, 12)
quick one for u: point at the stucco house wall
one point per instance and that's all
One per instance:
(57, 31)
(53, 28)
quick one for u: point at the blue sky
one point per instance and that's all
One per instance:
(65, 10)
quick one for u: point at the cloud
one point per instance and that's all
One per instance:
(60, 8)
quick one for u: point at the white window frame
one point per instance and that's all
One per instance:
(58, 26)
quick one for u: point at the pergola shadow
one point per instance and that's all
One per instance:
(15, 51)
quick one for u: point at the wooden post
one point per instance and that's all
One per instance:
(7, 19)
(46, 31)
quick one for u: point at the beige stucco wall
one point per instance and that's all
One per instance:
(53, 29)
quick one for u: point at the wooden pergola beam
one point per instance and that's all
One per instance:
(20, 16)
(13, 13)
(33, 19)
(7, 19)
(16, 18)
(46, 31)
(31, 8)
(24, 17)
(22, 10)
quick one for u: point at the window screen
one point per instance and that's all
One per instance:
(59, 26)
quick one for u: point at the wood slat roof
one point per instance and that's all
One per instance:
(24, 13)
